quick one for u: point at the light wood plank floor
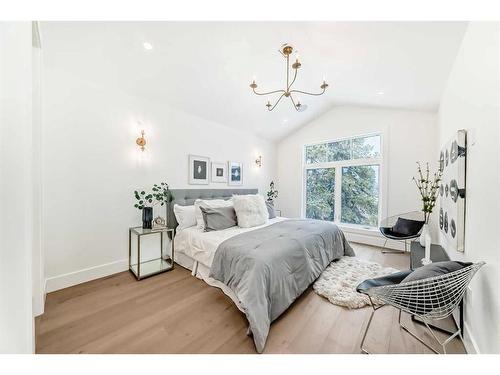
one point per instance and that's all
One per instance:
(177, 313)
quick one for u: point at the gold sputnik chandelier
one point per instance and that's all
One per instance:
(287, 92)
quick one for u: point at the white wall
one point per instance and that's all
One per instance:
(37, 257)
(409, 136)
(471, 101)
(16, 202)
(91, 167)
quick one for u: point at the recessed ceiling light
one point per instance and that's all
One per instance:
(148, 46)
(380, 93)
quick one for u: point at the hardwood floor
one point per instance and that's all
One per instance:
(177, 313)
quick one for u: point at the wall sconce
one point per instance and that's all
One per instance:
(258, 161)
(141, 141)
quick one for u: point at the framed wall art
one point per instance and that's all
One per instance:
(199, 170)
(219, 172)
(452, 161)
(235, 173)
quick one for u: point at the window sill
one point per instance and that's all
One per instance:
(374, 232)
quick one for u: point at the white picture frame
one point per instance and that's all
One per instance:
(219, 172)
(235, 173)
(199, 170)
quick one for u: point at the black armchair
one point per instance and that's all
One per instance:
(402, 227)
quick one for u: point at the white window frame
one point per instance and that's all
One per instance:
(380, 161)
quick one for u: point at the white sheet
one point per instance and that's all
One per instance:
(201, 246)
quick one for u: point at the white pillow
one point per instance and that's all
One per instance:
(211, 203)
(185, 216)
(250, 210)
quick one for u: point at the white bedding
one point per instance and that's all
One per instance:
(195, 250)
(201, 246)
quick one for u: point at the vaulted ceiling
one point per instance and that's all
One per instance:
(205, 68)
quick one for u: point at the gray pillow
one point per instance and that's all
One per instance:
(218, 218)
(435, 269)
(270, 209)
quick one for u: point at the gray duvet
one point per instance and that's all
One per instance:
(269, 268)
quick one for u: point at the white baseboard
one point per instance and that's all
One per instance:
(73, 278)
(469, 341)
(38, 303)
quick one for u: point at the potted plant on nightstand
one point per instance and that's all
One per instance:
(146, 200)
(428, 189)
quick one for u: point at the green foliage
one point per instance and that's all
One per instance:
(320, 197)
(325, 152)
(355, 148)
(159, 195)
(360, 195)
(272, 194)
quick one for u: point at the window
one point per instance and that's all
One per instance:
(320, 198)
(360, 189)
(342, 181)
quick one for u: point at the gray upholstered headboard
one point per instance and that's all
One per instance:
(186, 197)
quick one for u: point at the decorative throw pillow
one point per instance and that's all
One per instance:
(270, 210)
(218, 218)
(212, 203)
(251, 210)
(407, 227)
(185, 216)
(391, 279)
(435, 269)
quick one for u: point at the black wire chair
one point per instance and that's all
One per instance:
(388, 230)
(433, 298)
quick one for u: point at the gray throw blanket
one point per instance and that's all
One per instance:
(269, 268)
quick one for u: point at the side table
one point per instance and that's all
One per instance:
(143, 269)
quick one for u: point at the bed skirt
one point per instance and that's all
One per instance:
(201, 272)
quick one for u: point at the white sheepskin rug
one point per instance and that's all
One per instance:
(339, 280)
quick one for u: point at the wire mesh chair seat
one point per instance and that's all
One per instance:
(433, 298)
(388, 223)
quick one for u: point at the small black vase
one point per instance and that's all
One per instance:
(147, 217)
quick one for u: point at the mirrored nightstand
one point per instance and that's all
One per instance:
(150, 267)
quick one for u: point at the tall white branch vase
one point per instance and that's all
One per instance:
(427, 256)
(423, 234)
(425, 241)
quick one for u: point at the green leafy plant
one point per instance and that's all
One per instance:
(272, 194)
(428, 187)
(160, 194)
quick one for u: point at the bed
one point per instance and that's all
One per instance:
(262, 269)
